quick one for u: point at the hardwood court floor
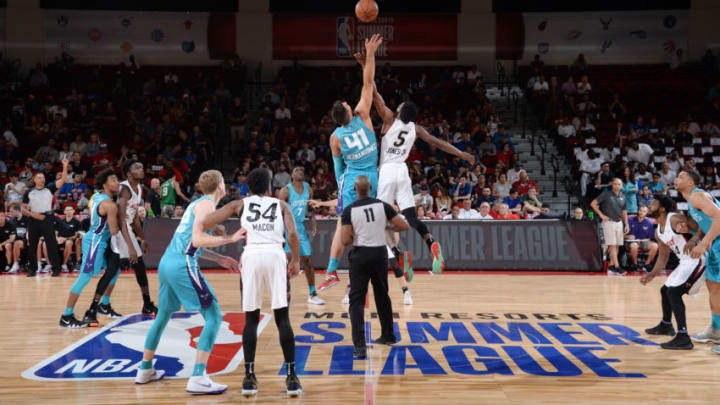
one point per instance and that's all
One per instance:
(445, 361)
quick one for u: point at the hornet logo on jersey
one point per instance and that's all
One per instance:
(115, 351)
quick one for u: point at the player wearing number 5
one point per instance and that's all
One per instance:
(354, 150)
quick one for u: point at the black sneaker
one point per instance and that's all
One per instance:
(382, 340)
(149, 309)
(360, 353)
(294, 388)
(661, 329)
(91, 318)
(681, 341)
(69, 321)
(31, 273)
(249, 387)
(107, 310)
(55, 273)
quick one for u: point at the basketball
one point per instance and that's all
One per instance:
(366, 10)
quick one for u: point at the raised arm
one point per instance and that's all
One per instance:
(385, 113)
(63, 177)
(200, 238)
(366, 96)
(443, 145)
(178, 190)
(215, 217)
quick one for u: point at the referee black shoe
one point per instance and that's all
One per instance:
(107, 310)
(69, 321)
(382, 340)
(661, 329)
(681, 341)
(31, 273)
(90, 318)
(360, 353)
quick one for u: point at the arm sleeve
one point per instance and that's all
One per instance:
(346, 216)
(390, 212)
(339, 165)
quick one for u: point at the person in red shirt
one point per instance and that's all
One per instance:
(104, 158)
(505, 213)
(524, 184)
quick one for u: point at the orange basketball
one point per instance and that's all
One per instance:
(366, 10)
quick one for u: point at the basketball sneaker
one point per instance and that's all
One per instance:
(715, 349)
(681, 341)
(149, 375)
(64, 268)
(346, 298)
(91, 318)
(69, 321)
(294, 388)
(149, 309)
(405, 262)
(438, 264)
(249, 387)
(407, 299)
(708, 335)
(661, 329)
(46, 269)
(107, 310)
(330, 280)
(203, 385)
(14, 269)
(360, 353)
(315, 299)
(382, 340)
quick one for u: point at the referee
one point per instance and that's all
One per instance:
(37, 204)
(363, 225)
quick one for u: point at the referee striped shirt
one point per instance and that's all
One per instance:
(369, 218)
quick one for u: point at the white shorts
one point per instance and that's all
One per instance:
(613, 232)
(261, 266)
(690, 272)
(394, 185)
(118, 245)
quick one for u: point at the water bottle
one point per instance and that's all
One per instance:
(591, 215)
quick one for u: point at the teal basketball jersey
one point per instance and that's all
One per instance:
(299, 202)
(358, 145)
(181, 242)
(703, 220)
(98, 223)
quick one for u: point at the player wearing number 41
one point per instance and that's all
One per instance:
(399, 133)
(687, 276)
(354, 149)
(264, 261)
(705, 210)
(182, 283)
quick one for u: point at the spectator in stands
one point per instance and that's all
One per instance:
(578, 214)
(630, 188)
(487, 148)
(152, 198)
(467, 212)
(568, 89)
(584, 87)
(642, 175)
(20, 244)
(566, 129)
(443, 202)
(645, 196)
(238, 119)
(47, 153)
(513, 172)
(514, 202)
(424, 199)
(27, 172)
(422, 214)
(72, 192)
(10, 137)
(656, 185)
(708, 179)
(77, 166)
(282, 177)
(683, 137)
(711, 129)
(667, 176)
(484, 212)
(532, 206)
(505, 213)
(178, 211)
(640, 153)
(641, 234)
(68, 237)
(455, 213)
(306, 150)
(675, 163)
(92, 148)
(38, 78)
(461, 190)
(502, 186)
(617, 108)
(320, 183)
(589, 168)
(14, 191)
(485, 196)
(240, 188)
(7, 239)
(524, 184)
(610, 207)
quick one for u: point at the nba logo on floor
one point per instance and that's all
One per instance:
(115, 351)
(345, 36)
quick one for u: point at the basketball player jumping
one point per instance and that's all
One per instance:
(297, 194)
(182, 283)
(399, 134)
(705, 210)
(264, 260)
(103, 223)
(685, 279)
(354, 150)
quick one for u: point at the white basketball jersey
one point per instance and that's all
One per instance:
(134, 202)
(675, 241)
(262, 218)
(397, 142)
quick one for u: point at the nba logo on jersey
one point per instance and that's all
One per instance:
(345, 36)
(115, 351)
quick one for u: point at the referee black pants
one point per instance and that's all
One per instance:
(46, 229)
(369, 264)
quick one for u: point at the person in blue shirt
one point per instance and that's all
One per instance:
(641, 233)
(240, 186)
(645, 197)
(705, 210)
(514, 201)
(655, 185)
(73, 191)
(461, 190)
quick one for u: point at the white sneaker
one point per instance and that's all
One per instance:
(715, 349)
(204, 385)
(64, 268)
(46, 269)
(316, 300)
(346, 299)
(706, 336)
(407, 299)
(7, 269)
(149, 375)
(14, 269)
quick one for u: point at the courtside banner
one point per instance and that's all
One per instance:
(550, 245)
(331, 36)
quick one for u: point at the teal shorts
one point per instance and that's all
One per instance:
(305, 248)
(182, 284)
(94, 248)
(712, 263)
(347, 185)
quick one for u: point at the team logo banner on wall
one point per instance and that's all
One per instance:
(604, 37)
(470, 245)
(327, 37)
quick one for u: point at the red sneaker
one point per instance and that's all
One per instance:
(330, 280)
(405, 261)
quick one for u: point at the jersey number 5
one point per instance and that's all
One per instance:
(401, 139)
(357, 139)
(268, 214)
